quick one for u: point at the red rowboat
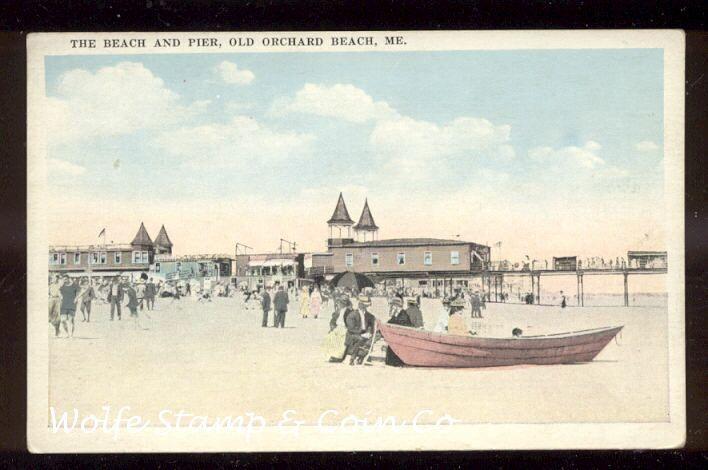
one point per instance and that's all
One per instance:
(423, 348)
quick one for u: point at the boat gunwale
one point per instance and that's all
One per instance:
(499, 343)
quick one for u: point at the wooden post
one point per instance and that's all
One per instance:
(626, 290)
(538, 287)
(533, 286)
(578, 274)
(582, 291)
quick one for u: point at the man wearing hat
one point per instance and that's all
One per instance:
(360, 329)
(399, 317)
(414, 313)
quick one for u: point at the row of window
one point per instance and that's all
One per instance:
(401, 258)
(100, 257)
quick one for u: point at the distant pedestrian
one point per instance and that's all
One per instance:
(563, 300)
(315, 302)
(86, 296)
(68, 305)
(265, 305)
(133, 303)
(55, 304)
(115, 297)
(280, 302)
(305, 303)
(150, 293)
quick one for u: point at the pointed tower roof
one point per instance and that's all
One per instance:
(366, 221)
(142, 237)
(341, 214)
(162, 238)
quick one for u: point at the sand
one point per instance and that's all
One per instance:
(214, 359)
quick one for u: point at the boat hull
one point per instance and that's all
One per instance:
(429, 349)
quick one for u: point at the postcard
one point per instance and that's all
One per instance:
(348, 241)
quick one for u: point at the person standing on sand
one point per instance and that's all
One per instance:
(265, 305)
(86, 296)
(115, 297)
(305, 303)
(315, 302)
(55, 304)
(563, 300)
(133, 302)
(280, 303)
(68, 305)
(150, 293)
(140, 289)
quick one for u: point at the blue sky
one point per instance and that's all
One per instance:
(569, 129)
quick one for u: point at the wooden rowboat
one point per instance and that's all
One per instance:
(423, 348)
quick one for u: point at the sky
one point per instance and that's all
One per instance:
(550, 152)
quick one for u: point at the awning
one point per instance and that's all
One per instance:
(279, 262)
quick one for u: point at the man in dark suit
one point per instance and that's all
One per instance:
(265, 305)
(360, 330)
(115, 296)
(280, 302)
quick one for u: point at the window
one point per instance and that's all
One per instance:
(104, 257)
(349, 259)
(401, 259)
(54, 258)
(428, 258)
(140, 257)
(454, 257)
(117, 257)
(374, 259)
(157, 267)
(94, 257)
(62, 258)
(77, 258)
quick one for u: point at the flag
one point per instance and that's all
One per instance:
(102, 233)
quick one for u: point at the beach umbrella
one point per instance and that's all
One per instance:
(352, 280)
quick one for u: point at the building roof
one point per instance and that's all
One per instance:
(341, 214)
(366, 221)
(394, 242)
(162, 238)
(142, 237)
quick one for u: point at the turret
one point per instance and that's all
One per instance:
(366, 229)
(340, 225)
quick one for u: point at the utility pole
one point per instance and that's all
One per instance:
(245, 248)
(293, 245)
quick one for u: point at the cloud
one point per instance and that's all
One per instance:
(585, 156)
(112, 101)
(236, 107)
(646, 146)
(413, 145)
(239, 141)
(345, 102)
(230, 73)
(63, 167)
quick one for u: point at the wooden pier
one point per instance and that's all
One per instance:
(498, 276)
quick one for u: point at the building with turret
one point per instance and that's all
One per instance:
(425, 259)
(110, 259)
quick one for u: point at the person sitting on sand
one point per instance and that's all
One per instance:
(400, 317)
(360, 329)
(456, 323)
(414, 313)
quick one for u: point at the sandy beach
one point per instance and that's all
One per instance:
(214, 359)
